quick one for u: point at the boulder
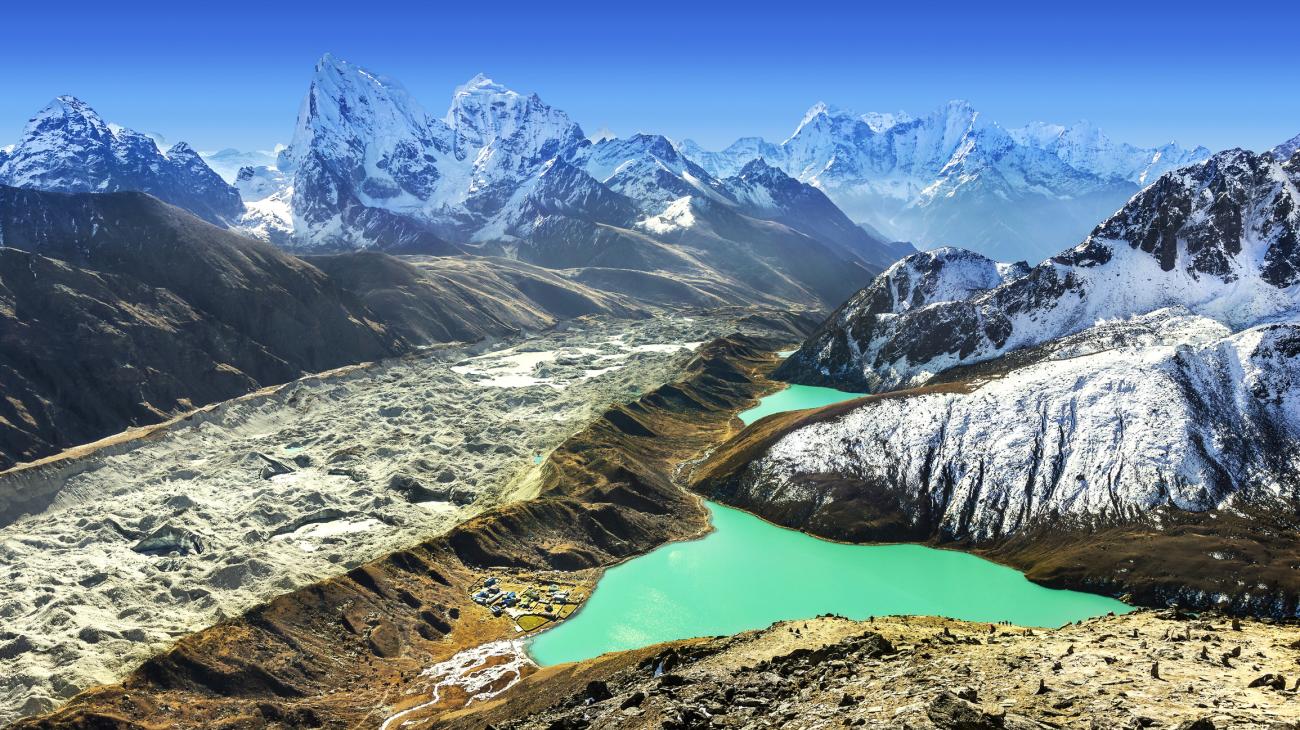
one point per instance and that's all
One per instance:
(170, 539)
(950, 712)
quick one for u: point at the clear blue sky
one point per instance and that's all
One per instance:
(231, 73)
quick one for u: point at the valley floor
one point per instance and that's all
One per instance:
(159, 537)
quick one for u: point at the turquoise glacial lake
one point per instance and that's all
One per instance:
(795, 398)
(747, 574)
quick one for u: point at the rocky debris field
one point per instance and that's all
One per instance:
(161, 536)
(1147, 669)
(355, 648)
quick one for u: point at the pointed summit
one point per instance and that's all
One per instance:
(759, 167)
(821, 109)
(68, 148)
(1287, 149)
(69, 113)
(481, 84)
(181, 150)
(348, 109)
(483, 111)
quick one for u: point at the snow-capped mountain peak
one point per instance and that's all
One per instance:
(820, 109)
(71, 114)
(67, 147)
(349, 107)
(1220, 239)
(1287, 149)
(483, 111)
(953, 176)
(480, 84)
(362, 143)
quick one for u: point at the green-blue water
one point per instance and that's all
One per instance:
(747, 574)
(793, 398)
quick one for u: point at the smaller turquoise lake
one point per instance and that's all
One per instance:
(795, 398)
(747, 574)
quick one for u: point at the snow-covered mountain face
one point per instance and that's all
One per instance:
(68, 148)
(1168, 410)
(1084, 147)
(1147, 376)
(1287, 149)
(953, 178)
(362, 143)
(505, 173)
(1221, 238)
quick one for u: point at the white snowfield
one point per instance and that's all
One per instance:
(373, 461)
(1167, 409)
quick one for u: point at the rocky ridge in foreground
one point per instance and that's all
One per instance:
(1147, 669)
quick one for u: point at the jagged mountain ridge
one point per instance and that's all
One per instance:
(503, 173)
(68, 148)
(953, 178)
(1219, 238)
(1287, 149)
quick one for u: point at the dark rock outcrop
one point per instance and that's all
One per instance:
(117, 310)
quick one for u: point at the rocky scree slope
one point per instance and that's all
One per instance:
(1137, 394)
(952, 177)
(68, 148)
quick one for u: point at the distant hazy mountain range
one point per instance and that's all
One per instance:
(503, 172)
(952, 177)
(949, 177)
(228, 162)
